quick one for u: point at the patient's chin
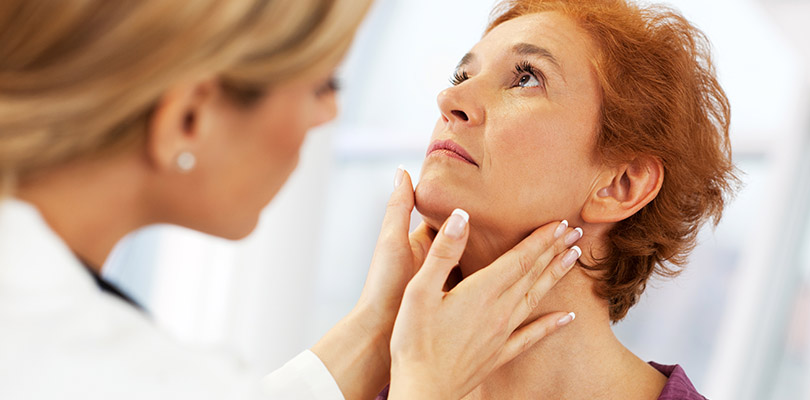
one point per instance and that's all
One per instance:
(435, 202)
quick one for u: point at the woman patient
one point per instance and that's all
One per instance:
(607, 114)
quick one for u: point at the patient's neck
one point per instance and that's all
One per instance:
(581, 360)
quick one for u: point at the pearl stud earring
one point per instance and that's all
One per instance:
(185, 161)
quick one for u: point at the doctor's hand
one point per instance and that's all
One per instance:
(356, 351)
(445, 344)
(397, 257)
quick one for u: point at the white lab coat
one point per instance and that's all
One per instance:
(61, 337)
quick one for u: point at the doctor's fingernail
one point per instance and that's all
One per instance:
(573, 236)
(571, 256)
(566, 319)
(560, 229)
(456, 223)
(398, 177)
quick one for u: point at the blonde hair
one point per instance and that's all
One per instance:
(78, 77)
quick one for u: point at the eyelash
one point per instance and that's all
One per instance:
(523, 67)
(459, 77)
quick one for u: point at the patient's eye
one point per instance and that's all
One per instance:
(528, 81)
(528, 76)
(459, 77)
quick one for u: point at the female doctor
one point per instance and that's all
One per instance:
(119, 114)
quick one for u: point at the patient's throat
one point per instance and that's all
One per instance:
(484, 247)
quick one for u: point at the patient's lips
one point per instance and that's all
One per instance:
(451, 149)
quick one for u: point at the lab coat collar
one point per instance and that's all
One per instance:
(34, 260)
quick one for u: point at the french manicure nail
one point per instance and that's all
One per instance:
(399, 175)
(560, 229)
(566, 319)
(571, 256)
(573, 236)
(456, 223)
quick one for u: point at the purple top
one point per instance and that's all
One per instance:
(678, 386)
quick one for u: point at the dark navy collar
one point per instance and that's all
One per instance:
(110, 288)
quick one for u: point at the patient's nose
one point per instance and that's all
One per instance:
(458, 106)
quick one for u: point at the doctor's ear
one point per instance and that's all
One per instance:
(622, 191)
(174, 130)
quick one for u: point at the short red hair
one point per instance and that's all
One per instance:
(660, 98)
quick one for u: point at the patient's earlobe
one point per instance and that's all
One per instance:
(620, 192)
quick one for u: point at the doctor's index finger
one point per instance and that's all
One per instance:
(525, 262)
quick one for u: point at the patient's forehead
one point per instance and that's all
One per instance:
(570, 46)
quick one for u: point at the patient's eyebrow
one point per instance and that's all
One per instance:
(467, 59)
(521, 49)
(530, 49)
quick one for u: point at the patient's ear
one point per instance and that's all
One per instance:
(622, 191)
